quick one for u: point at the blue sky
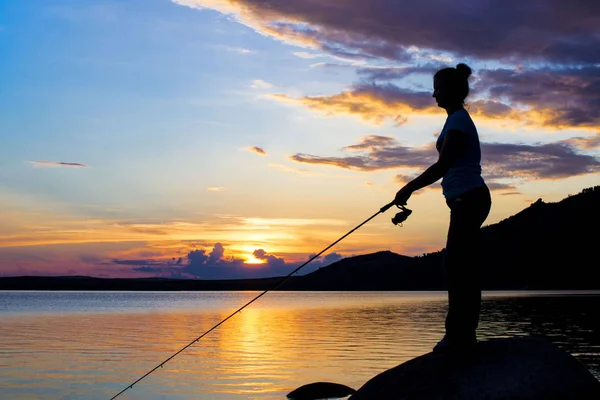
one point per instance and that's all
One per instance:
(162, 102)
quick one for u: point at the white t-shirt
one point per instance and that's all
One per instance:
(465, 173)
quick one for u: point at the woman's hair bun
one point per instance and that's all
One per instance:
(464, 70)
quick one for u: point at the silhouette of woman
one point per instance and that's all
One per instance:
(469, 201)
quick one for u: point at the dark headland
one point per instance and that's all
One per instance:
(518, 368)
(546, 246)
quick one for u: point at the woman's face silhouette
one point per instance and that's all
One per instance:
(439, 93)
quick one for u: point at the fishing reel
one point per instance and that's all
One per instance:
(401, 216)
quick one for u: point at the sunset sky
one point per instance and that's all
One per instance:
(236, 138)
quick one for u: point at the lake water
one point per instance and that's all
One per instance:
(92, 345)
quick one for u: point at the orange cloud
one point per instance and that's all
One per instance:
(587, 143)
(377, 104)
(367, 105)
(238, 233)
(257, 150)
(257, 18)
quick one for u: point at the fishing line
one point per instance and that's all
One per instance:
(285, 278)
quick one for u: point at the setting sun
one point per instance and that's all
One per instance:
(250, 259)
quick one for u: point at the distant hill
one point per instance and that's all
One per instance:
(545, 246)
(377, 271)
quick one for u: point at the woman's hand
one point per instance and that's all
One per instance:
(403, 195)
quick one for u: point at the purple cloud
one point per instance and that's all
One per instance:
(145, 262)
(570, 96)
(56, 164)
(272, 261)
(202, 264)
(508, 30)
(546, 161)
(500, 161)
(510, 194)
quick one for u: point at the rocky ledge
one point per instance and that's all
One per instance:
(500, 369)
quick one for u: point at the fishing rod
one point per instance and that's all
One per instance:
(397, 220)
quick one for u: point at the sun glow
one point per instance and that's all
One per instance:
(250, 259)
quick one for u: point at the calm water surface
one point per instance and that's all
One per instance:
(91, 345)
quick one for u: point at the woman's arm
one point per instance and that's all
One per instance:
(452, 145)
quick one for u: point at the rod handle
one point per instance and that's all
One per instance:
(386, 207)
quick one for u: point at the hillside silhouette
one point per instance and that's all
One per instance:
(545, 246)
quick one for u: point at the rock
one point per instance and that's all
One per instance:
(500, 369)
(320, 390)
